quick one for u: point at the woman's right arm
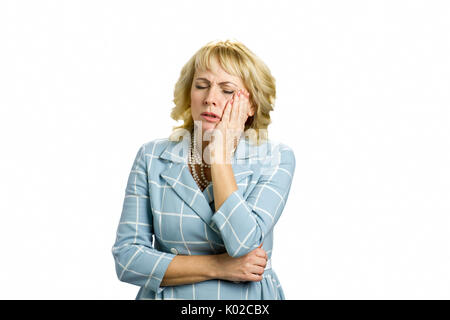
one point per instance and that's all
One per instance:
(136, 260)
(139, 263)
(192, 269)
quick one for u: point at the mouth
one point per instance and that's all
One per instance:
(211, 117)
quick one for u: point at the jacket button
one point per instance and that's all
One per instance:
(174, 251)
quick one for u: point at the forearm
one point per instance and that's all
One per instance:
(190, 269)
(224, 182)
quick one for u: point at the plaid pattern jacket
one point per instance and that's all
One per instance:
(165, 213)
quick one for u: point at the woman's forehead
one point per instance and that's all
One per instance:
(213, 67)
(216, 75)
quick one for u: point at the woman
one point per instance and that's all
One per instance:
(198, 215)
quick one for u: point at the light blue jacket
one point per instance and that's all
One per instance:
(165, 213)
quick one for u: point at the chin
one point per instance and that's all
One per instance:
(207, 126)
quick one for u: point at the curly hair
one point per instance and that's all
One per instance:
(236, 59)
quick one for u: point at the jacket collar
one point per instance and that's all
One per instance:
(181, 181)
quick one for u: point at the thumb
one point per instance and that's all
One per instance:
(267, 257)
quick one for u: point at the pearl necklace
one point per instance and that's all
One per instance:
(195, 158)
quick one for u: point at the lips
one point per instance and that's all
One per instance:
(210, 114)
(210, 117)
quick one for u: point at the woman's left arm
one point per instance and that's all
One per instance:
(244, 223)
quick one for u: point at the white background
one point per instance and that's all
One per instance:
(362, 98)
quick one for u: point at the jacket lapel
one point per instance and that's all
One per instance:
(181, 181)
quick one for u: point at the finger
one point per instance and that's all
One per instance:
(266, 256)
(227, 111)
(242, 109)
(244, 98)
(262, 262)
(260, 252)
(245, 108)
(257, 270)
(254, 277)
(235, 109)
(244, 103)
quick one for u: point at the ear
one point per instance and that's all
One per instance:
(252, 111)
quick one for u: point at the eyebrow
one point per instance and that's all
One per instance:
(225, 82)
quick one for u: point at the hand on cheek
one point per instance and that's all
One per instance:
(232, 124)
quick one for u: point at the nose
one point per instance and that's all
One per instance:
(212, 96)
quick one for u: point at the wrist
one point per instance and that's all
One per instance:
(215, 270)
(221, 156)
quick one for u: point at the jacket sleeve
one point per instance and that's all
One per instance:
(136, 260)
(244, 223)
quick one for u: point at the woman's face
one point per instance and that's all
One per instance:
(210, 92)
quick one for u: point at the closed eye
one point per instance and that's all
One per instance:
(227, 92)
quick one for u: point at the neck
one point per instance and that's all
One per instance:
(200, 143)
(200, 147)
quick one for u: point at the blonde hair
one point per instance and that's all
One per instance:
(236, 59)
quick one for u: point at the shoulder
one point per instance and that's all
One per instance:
(278, 150)
(280, 147)
(154, 147)
(276, 155)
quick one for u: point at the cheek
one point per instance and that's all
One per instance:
(197, 96)
(196, 103)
